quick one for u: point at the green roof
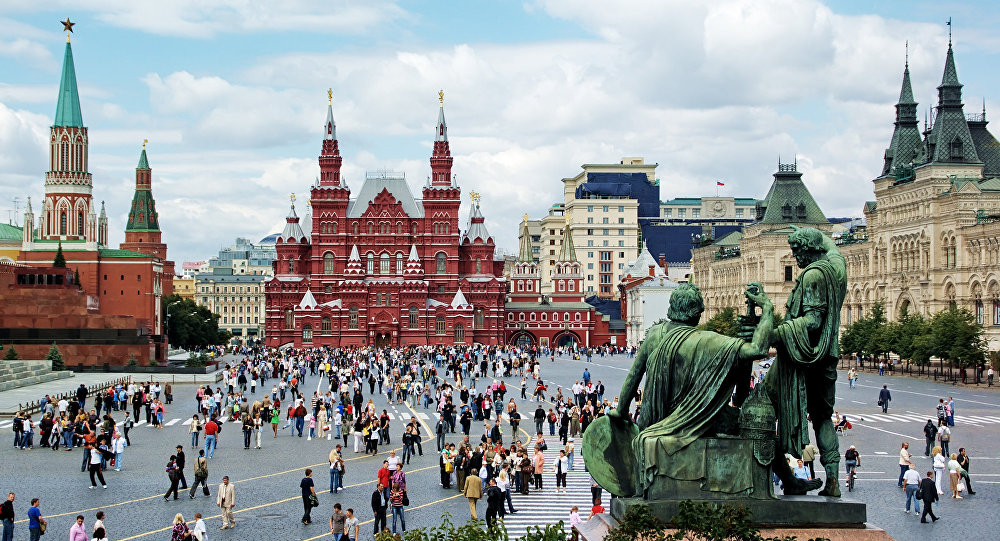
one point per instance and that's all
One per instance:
(68, 111)
(10, 232)
(143, 163)
(682, 201)
(745, 201)
(108, 252)
(143, 215)
(730, 239)
(789, 201)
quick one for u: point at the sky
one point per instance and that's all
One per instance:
(232, 96)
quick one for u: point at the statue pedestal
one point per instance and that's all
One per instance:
(799, 512)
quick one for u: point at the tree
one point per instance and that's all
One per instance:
(957, 337)
(190, 325)
(76, 277)
(56, 358)
(11, 354)
(908, 329)
(60, 260)
(724, 322)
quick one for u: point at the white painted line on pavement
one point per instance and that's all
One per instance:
(171, 422)
(890, 432)
(881, 453)
(857, 402)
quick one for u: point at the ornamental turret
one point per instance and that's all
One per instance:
(905, 145)
(441, 159)
(949, 140)
(330, 160)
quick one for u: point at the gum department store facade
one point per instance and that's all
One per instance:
(933, 231)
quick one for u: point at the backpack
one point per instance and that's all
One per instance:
(201, 467)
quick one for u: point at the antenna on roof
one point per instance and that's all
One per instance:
(949, 32)
(907, 53)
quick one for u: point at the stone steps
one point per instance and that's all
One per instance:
(15, 374)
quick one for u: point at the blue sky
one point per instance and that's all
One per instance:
(232, 96)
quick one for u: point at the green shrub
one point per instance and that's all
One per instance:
(11, 354)
(56, 358)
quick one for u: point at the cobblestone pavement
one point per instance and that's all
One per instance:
(266, 480)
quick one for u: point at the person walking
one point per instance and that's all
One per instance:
(171, 470)
(905, 461)
(226, 500)
(199, 532)
(180, 531)
(884, 397)
(180, 467)
(396, 502)
(308, 493)
(494, 503)
(930, 435)
(337, 520)
(211, 432)
(561, 469)
(473, 490)
(78, 531)
(127, 425)
(35, 521)
(195, 430)
(99, 532)
(200, 473)
(911, 482)
(963, 461)
(7, 516)
(352, 527)
(94, 466)
(378, 509)
(928, 493)
(939, 465)
(539, 467)
(118, 445)
(955, 476)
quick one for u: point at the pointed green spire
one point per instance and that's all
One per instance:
(143, 163)
(568, 251)
(950, 77)
(906, 92)
(68, 111)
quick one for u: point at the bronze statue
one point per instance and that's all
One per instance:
(692, 439)
(801, 383)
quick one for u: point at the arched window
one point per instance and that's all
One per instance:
(577, 316)
(79, 223)
(352, 321)
(399, 228)
(414, 318)
(460, 333)
(371, 263)
(355, 228)
(566, 316)
(979, 311)
(442, 260)
(510, 316)
(64, 156)
(479, 266)
(62, 222)
(327, 325)
(289, 319)
(562, 285)
(307, 333)
(555, 316)
(79, 157)
(544, 315)
(399, 262)
(477, 319)
(520, 285)
(332, 227)
(572, 285)
(371, 227)
(439, 326)
(520, 316)
(383, 263)
(291, 266)
(328, 263)
(383, 228)
(414, 229)
(532, 316)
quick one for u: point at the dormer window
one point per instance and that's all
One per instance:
(956, 149)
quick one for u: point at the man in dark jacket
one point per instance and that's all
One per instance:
(7, 515)
(378, 509)
(928, 493)
(884, 397)
(494, 503)
(81, 395)
(930, 435)
(963, 461)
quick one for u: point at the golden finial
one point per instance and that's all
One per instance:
(144, 141)
(329, 96)
(292, 198)
(67, 27)
(475, 197)
(441, 97)
(525, 217)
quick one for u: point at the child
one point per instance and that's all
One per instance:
(574, 521)
(597, 509)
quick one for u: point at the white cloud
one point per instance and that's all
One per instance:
(710, 90)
